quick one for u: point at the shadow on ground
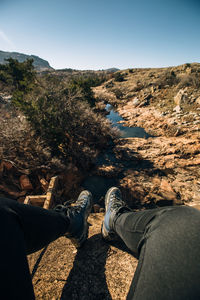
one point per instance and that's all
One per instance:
(87, 277)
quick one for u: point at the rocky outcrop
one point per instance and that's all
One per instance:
(39, 63)
(163, 169)
(181, 97)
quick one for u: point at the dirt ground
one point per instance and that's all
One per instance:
(97, 271)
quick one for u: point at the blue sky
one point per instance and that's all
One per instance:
(98, 34)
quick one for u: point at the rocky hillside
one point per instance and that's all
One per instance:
(39, 63)
(163, 169)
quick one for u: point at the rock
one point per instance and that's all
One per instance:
(198, 100)
(167, 191)
(25, 183)
(177, 109)
(136, 101)
(178, 132)
(7, 164)
(4, 99)
(181, 97)
(144, 103)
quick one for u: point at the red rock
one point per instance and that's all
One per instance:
(25, 183)
(6, 164)
(167, 191)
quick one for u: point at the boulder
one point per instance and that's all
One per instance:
(181, 97)
(167, 191)
(136, 101)
(177, 109)
(25, 183)
(198, 100)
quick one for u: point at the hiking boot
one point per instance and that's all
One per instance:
(114, 206)
(78, 214)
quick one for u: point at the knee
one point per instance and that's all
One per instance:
(5, 204)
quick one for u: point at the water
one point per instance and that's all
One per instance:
(98, 185)
(125, 131)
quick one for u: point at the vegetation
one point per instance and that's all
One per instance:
(60, 116)
(119, 77)
(167, 78)
(189, 80)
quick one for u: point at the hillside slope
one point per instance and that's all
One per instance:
(39, 63)
(162, 169)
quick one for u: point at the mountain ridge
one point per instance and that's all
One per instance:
(39, 63)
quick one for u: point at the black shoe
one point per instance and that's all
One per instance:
(114, 206)
(78, 214)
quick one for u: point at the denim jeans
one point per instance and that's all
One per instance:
(24, 230)
(167, 242)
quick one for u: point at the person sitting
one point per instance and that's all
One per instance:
(165, 240)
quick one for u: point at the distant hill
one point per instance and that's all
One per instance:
(112, 70)
(39, 63)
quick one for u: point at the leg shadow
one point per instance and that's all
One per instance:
(87, 278)
(38, 262)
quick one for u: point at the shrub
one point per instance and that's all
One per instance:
(189, 80)
(167, 78)
(19, 143)
(118, 93)
(62, 118)
(118, 77)
(67, 125)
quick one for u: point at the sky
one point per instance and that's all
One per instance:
(99, 34)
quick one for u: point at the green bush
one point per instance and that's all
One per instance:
(118, 93)
(118, 77)
(60, 115)
(68, 126)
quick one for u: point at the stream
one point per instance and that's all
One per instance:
(125, 131)
(98, 185)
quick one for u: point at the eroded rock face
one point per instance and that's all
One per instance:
(181, 97)
(174, 156)
(198, 100)
(165, 169)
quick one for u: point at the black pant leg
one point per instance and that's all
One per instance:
(131, 226)
(23, 230)
(39, 226)
(15, 280)
(169, 256)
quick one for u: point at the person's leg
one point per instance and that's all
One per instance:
(167, 242)
(39, 226)
(15, 280)
(26, 229)
(169, 259)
